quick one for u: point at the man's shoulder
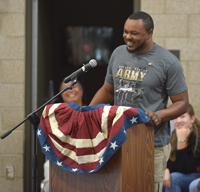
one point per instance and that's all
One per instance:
(162, 49)
(120, 50)
(165, 54)
(121, 47)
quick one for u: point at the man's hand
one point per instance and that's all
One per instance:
(155, 119)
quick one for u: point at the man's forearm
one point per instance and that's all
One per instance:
(173, 111)
(179, 106)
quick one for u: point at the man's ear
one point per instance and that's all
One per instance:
(149, 34)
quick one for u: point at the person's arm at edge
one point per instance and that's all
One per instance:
(166, 182)
(178, 107)
(104, 95)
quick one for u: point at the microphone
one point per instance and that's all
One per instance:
(85, 68)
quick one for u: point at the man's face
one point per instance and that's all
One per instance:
(135, 36)
(75, 94)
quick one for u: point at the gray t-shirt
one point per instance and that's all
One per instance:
(145, 81)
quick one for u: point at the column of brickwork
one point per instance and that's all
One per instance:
(12, 65)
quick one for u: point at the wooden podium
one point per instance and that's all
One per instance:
(130, 169)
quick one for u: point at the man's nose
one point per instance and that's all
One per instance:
(129, 36)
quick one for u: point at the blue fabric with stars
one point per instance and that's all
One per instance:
(114, 144)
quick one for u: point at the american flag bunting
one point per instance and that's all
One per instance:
(82, 139)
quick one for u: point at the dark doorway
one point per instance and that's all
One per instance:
(54, 17)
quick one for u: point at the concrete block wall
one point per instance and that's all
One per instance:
(12, 98)
(177, 27)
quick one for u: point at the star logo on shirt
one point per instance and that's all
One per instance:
(59, 163)
(134, 120)
(47, 148)
(113, 145)
(39, 132)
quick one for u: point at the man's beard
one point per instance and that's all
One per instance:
(139, 48)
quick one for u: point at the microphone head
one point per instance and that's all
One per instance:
(93, 63)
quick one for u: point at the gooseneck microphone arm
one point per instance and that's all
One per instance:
(72, 77)
(35, 120)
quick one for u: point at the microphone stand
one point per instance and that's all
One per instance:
(34, 119)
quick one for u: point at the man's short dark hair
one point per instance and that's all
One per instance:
(146, 18)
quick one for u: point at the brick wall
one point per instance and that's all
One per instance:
(12, 65)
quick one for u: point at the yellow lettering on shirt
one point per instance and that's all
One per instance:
(134, 75)
(119, 73)
(127, 74)
(142, 74)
